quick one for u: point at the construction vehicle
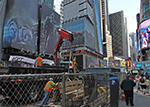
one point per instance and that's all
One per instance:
(64, 34)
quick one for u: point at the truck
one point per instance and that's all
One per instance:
(17, 89)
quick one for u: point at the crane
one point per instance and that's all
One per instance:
(64, 34)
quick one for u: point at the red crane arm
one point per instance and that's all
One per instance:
(63, 34)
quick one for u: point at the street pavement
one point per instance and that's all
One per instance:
(140, 100)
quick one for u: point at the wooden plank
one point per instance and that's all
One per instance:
(78, 98)
(73, 93)
(72, 83)
(70, 88)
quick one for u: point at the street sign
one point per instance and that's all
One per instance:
(112, 82)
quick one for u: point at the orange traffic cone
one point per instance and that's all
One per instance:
(123, 95)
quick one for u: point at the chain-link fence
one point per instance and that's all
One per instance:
(73, 90)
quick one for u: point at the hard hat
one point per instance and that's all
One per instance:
(51, 79)
(39, 54)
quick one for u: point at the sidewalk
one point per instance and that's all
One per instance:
(140, 100)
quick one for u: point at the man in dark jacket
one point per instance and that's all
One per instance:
(127, 85)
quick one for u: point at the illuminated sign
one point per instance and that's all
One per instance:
(147, 65)
(123, 63)
(138, 65)
(143, 40)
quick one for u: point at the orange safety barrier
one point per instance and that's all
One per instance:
(123, 95)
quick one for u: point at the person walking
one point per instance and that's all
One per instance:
(127, 85)
(39, 61)
(142, 83)
(147, 75)
(147, 81)
(47, 90)
(137, 78)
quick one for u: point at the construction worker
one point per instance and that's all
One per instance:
(47, 90)
(39, 61)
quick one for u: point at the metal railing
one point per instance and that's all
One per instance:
(73, 90)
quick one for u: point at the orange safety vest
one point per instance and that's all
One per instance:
(48, 86)
(39, 61)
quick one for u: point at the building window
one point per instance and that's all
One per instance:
(144, 8)
(144, 16)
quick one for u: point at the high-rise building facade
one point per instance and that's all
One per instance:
(134, 45)
(119, 32)
(145, 9)
(108, 49)
(107, 38)
(49, 3)
(82, 16)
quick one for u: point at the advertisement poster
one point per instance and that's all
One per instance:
(92, 61)
(21, 26)
(143, 40)
(18, 24)
(50, 22)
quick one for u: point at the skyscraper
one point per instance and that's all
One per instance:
(82, 16)
(134, 45)
(49, 3)
(107, 38)
(144, 9)
(119, 32)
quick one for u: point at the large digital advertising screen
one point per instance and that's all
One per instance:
(20, 17)
(143, 39)
(50, 22)
(21, 26)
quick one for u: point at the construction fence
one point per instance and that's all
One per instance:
(72, 90)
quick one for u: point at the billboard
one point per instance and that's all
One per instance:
(21, 26)
(50, 22)
(19, 20)
(92, 61)
(143, 40)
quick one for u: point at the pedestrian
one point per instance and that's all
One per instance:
(137, 78)
(39, 61)
(142, 83)
(127, 85)
(47, 90)
(147, 76)
(147, 81)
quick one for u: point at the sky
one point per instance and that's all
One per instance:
(130, 8)
(57, 5)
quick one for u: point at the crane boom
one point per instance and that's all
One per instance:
(63, 34)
